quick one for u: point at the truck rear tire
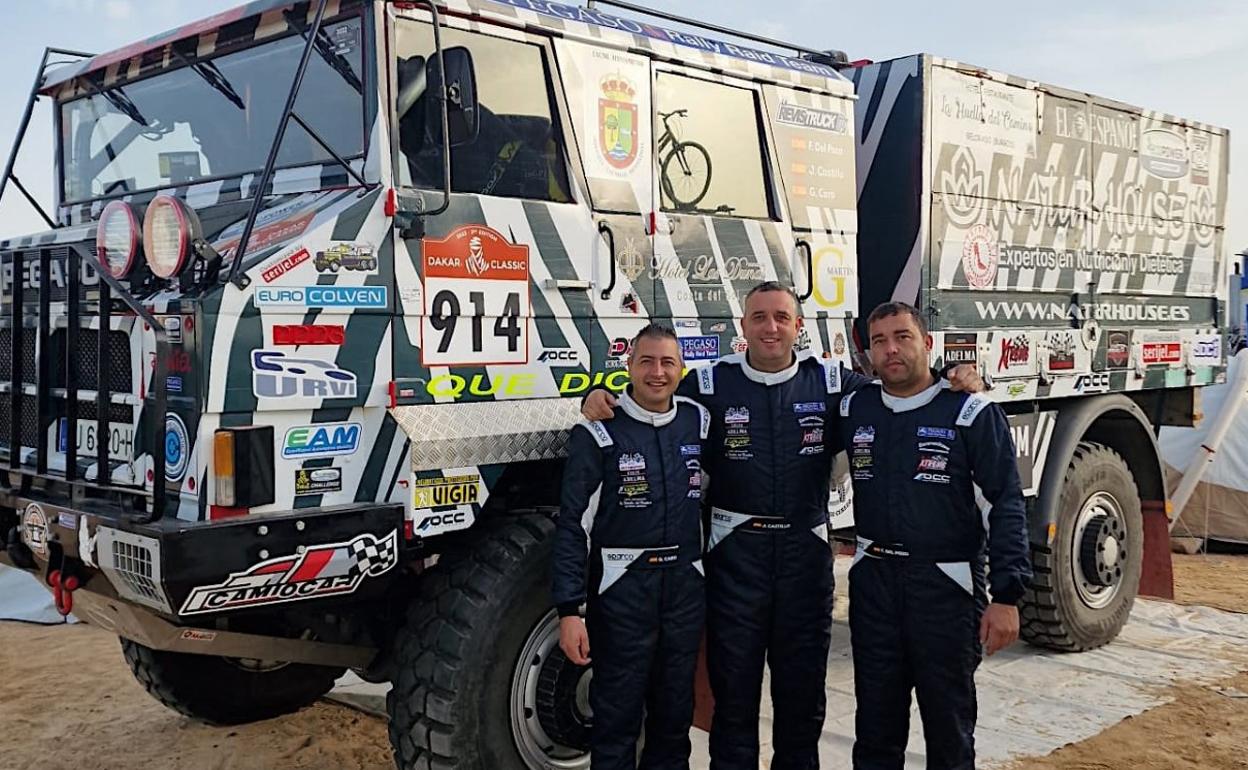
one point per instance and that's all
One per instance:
(224, 691)
(476, 658)
(1087, 578)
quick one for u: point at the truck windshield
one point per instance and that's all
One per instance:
(214, 119)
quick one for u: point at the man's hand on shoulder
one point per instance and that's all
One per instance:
(598, 405)
(965, 377)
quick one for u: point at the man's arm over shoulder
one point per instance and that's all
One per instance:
(994, 470)
(582, 488)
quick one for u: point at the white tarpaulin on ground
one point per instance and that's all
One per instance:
(22, 598)
(1030, 701)
(1219, 507)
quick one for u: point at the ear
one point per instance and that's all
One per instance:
(927, 341)
(801, 321)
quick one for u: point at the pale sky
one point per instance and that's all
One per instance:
(1182, 58)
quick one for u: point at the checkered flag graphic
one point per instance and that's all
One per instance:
(371, 556)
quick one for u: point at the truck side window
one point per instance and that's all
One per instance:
(708, 149)
(518, 152)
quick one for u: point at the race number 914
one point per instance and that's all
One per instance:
(476, 299)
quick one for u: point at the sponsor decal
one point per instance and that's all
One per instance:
(173, 329)
(277, 375)
(699, 348)
(332, 569)
(178, 362)
(31, 276)
(736, 415)
(477, 303)
(323, 296)
(1015, 353)
(948, 434)
(933, 463)
(618, 126)
(961, 349)
(1200, 158)
(739, 345)
(865, 434)
(1161, 352)
(309, 334)
(810, 422)
(833, 276)
(933, 478)
(810, 407)
(980, 257)
(1163, 153)
(358, 257)
(318, 481)
(1061, 351)
(813, 436)
(810, 117)
(1016, 389)
(1061, 311)
(1207, 350)
(630, 260)
(67, 521)
(718, 328)
(262, 237)
(284, 265)
(173, 384)
(35, 529)
(690, 450)
(838, 344)
(177, 448)
(328, 440)
(445, 491)
(437, 523)
(802, 342)
(1096, 382)
(620, 347)
(934, 446)
(560, 357)
(195, 635)
(1118, 349)
(633, 461)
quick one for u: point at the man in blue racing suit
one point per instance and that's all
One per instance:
(935, 485)
(629, 544)
(769, 561)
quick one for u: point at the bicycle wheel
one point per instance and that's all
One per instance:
(686, 174)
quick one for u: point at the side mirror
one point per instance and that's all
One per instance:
(461, 97)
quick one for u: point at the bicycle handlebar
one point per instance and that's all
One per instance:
(677, 113)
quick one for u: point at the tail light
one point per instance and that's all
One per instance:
(117, 238)
(242, 460)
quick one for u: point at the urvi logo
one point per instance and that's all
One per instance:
(276, 375)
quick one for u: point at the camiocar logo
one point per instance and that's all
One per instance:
(328, 440)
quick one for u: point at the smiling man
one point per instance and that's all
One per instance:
(632, 495)
(935, 481)
(769, 560)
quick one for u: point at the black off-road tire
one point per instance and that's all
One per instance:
(218, 691)
(1052, 614)
(450, 706)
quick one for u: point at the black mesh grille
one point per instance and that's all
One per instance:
(30, 417)
(117, 413)
(120, 379)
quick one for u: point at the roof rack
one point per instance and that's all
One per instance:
(831, 57)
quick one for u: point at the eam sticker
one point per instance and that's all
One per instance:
(476, 299)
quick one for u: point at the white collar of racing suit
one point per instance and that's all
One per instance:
(641, 414)
(910, 403)
(768, 378)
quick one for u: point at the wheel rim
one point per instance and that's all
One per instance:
(1099, 550)
(537, 749)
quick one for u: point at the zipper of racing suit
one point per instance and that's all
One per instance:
(777, 432)
(667, 507)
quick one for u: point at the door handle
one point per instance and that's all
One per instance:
(802, 245)
(605, 229)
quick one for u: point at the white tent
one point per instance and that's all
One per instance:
(1218, 510)
(22, 598)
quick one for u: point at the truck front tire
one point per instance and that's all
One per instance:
(481, 640)
(222, 691)
(1087, 577)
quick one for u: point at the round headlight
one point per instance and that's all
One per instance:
(117, 238)
(169, 229)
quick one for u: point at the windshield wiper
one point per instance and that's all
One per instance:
(336, 61)
(213, 77)
(124, 105)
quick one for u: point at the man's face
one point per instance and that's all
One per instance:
(770, 325)
(654, 368)
(899, 350)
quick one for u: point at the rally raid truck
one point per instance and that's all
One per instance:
(346, 257)
(260, 472)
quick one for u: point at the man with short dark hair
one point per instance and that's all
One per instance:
(935, 484)
(629, 544)
(769, 559)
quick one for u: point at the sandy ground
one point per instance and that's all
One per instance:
(68, 701)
